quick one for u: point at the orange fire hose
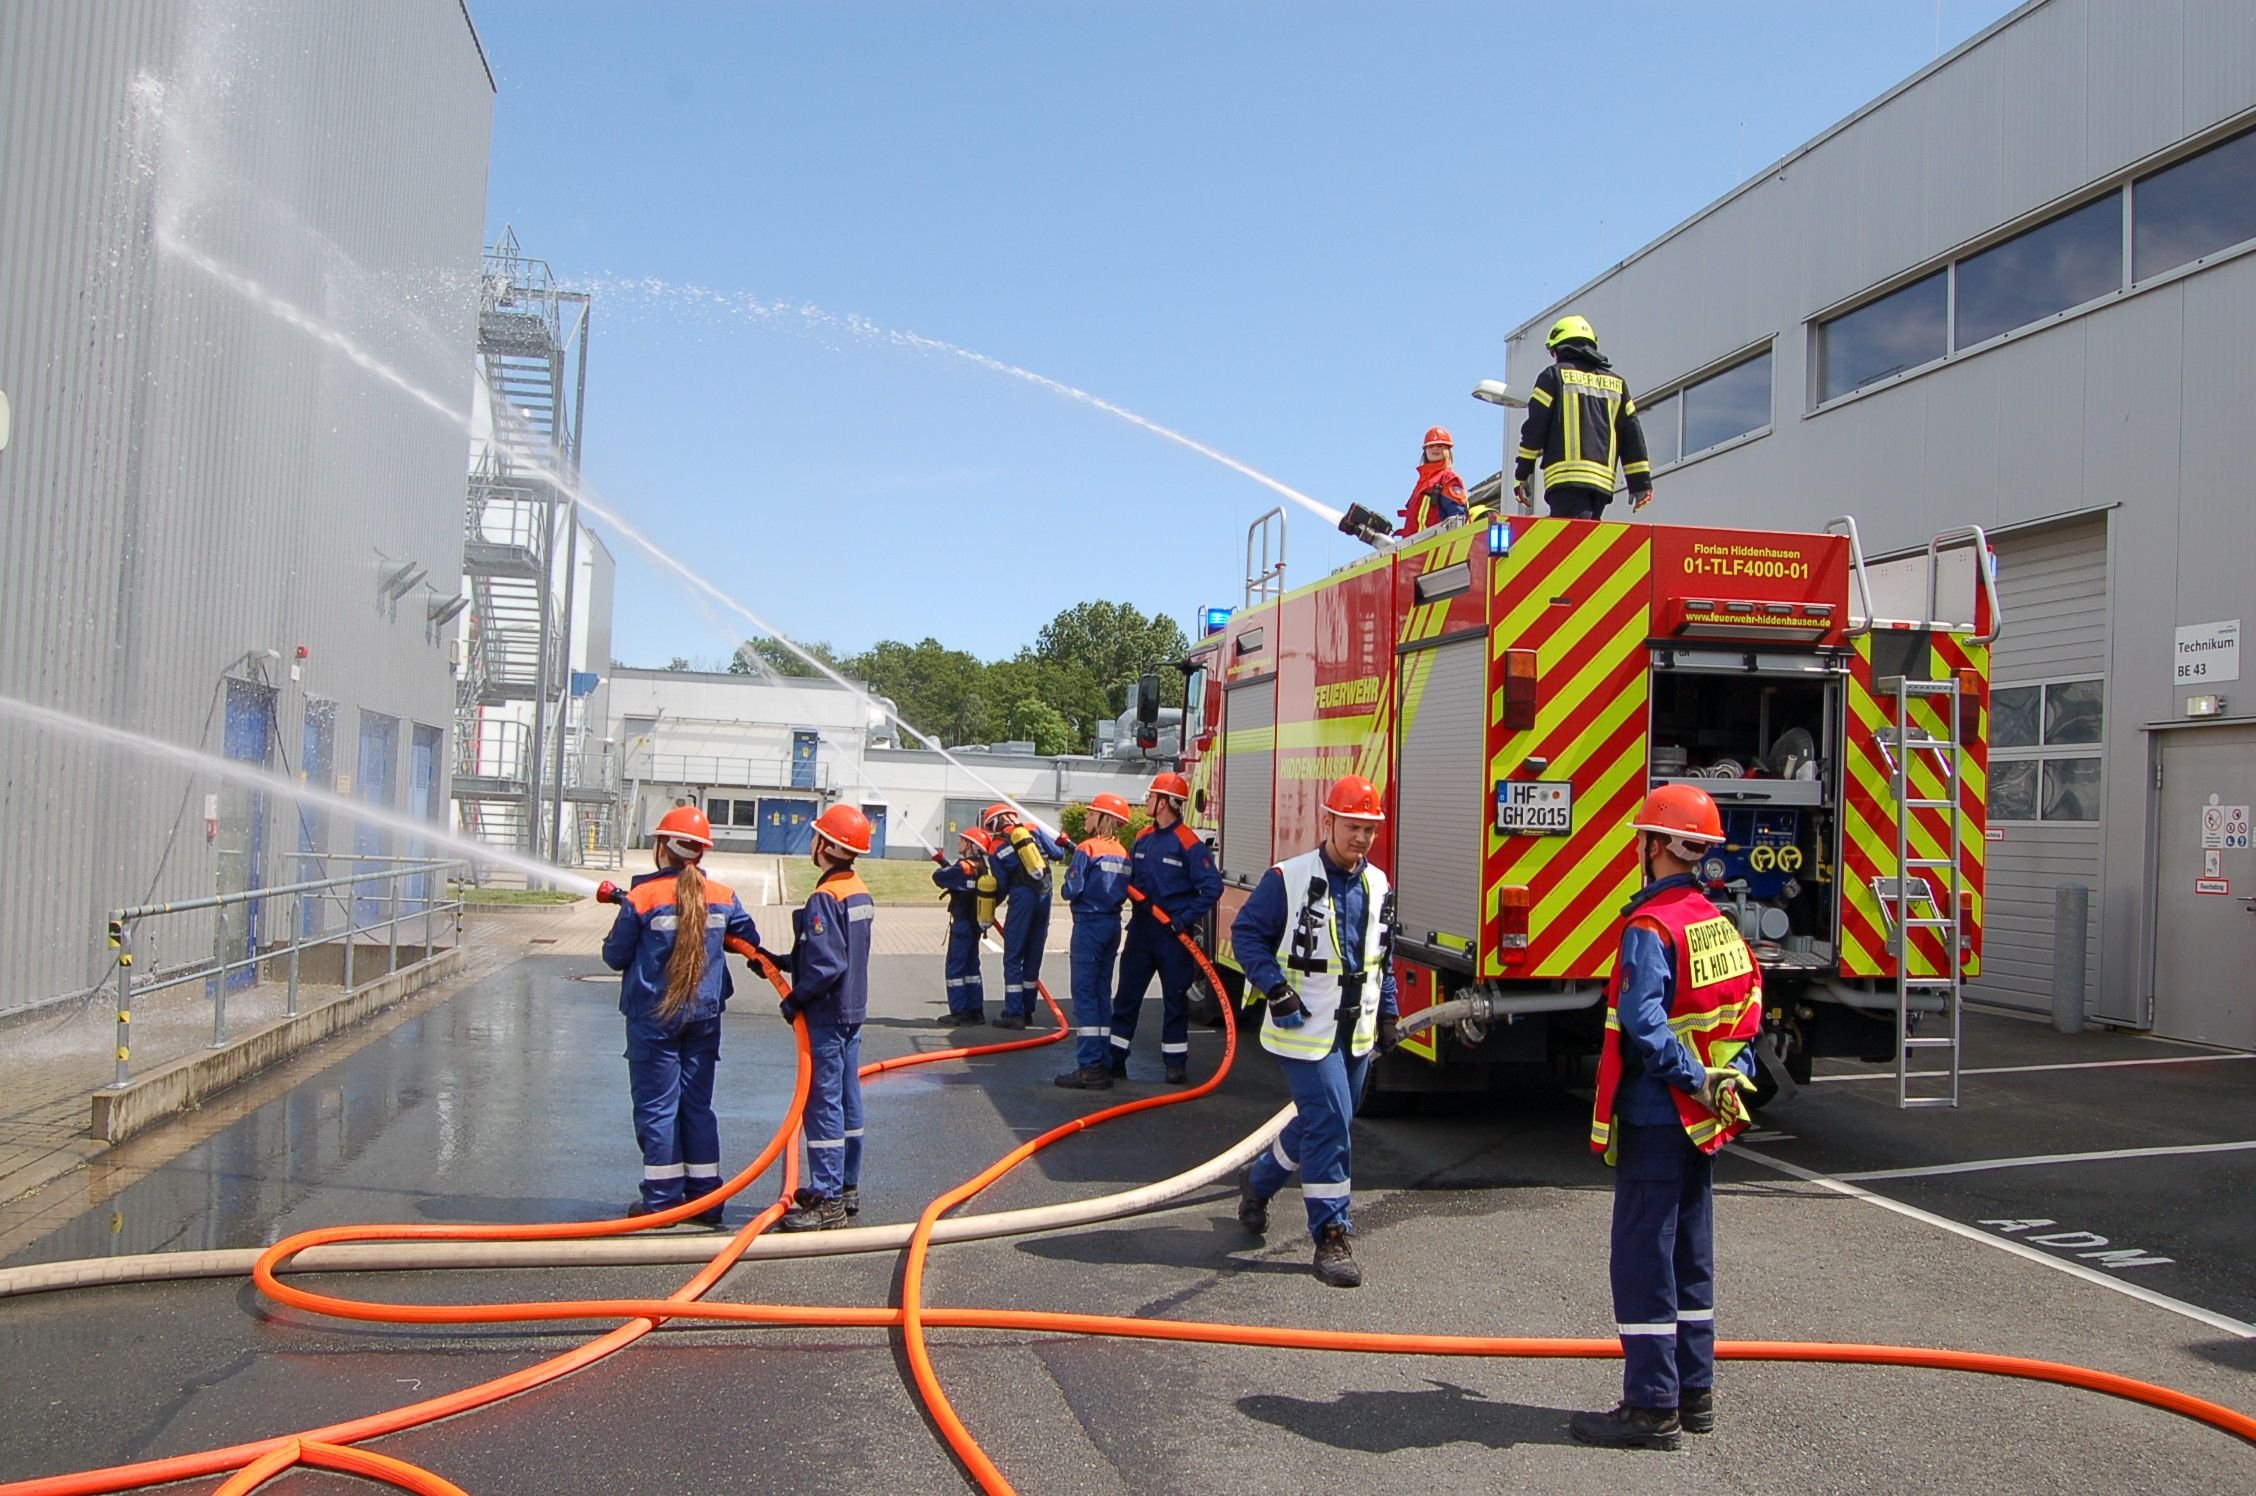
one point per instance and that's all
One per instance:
(324, 1448)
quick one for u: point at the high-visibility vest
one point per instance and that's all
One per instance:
(1717, 1011)
(1319, 982)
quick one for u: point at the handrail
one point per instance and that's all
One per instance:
(1845, 524)
(1982, 574)
(1268, 581)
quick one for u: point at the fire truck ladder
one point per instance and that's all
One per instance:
(1913, 888)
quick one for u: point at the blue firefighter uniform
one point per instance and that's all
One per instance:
(1175, 870)
(1663, 1259)
(1327, 1059)
(1095, 888)
(830, 986)
(670, 1065)
(967, 986)
(1026, 916)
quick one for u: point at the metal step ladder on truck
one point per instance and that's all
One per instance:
(1515, 687)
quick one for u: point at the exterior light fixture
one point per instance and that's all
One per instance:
(443, 610)
(1497, 392)
(396, 582)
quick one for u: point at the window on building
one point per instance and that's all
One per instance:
(2062, 263)
(1658, 420)
(2036, 770)
(1728, 405)
(2196, 207)
(718, 812)
(1902, 330)
(747, 812)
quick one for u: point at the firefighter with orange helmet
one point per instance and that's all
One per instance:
(1021, 861)
(1438, 493)
(672, 992)
(830, 993)
(968, 884)
(1174, 871)
(1684, 1004)
(1096, 885)
(1315, 939)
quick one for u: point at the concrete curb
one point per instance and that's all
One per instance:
(173, 1088)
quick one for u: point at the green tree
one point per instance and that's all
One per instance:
(678, 662)
(780, 659)
(1092, 653)
(935, 687)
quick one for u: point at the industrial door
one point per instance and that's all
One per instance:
(787, 827)
(424, 804)
(239, 852)
(318, 768)
(804, 746)
(876, 814)
(2205, 886)
(373, 785)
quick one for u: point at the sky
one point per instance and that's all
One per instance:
(1296, 232)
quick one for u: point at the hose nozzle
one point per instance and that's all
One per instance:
(607, 892)
(1368, 526)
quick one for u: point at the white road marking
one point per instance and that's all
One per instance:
(2190, 1059)
(2209, 1317)
(2039, 1160)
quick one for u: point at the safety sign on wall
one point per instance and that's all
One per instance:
(2207, 654)
(2224, 827)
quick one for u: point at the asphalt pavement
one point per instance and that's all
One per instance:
(507, 1102)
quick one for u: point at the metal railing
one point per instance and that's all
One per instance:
(123, 924)
(729, 773)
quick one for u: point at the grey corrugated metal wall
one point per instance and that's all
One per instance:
(2137, 402)
(1437, 860)
(2052, 582)
(192, 477)
(1249, 778)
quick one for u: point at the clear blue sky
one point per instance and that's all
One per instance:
(1296, 231)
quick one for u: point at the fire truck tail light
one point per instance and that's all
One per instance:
(1969, 703)
(1520, 696)
(1513, 905)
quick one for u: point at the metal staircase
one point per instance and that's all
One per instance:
(519, 557)
(1909, 899)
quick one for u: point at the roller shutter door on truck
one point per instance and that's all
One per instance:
(1440, 799)
(2048, 712)
(1249, 779)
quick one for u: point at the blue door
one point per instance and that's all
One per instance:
(379, 742)
(876, 814)
(318, 765)
(240, 850)
(423, 804)
(803, 749)
(787, 827)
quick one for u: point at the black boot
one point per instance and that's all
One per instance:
(1695, 1409)
(1629, 1428)
(1178, 1074)
(852, 1200)
(1086, 1078)
(821, 1213)
(1009, 1021)
(1253, 1209)
(710, 1217)
(1119, 1065)
(1335, 1262)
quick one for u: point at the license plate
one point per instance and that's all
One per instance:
(1534, 807)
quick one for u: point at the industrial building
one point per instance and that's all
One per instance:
(239, 259)
(2016, 291)
(762, 757)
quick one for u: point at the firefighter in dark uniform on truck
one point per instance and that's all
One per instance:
(1580, 423)
(1683, 1005)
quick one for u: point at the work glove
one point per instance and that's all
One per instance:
(1390, 1033)
(1719, 1093)
(1285, 1007)
(791, 1008)
(1640, 500)
(939, 857)
(1519, 492)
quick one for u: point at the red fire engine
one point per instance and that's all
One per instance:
(1514, 687)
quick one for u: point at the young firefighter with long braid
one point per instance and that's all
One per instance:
(1313, 939)
(1095, 888)
(830, 954)
(672, 993)
(1021, 861)
(968, 885)
(1173, 868)
(1684, 1003)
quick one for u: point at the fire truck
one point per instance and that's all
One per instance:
(1514, 686)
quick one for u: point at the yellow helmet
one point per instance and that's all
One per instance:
(1571, 327)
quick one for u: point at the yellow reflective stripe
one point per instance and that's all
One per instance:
(1250, 740)
(1692, 1025)
(1570, 439)
(1575, 470)
(1629, 406)
(1633, 469)
(1539, 395)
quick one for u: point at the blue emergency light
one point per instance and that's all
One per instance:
(1217, 619)
(1499, 537)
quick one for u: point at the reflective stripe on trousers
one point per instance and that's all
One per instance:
(833, 1115)
(1663, 1264)
(1315, 1143)
(1151, 949)
(967, 989)
(1096, 942)
(1026, 927)
(670, 1076)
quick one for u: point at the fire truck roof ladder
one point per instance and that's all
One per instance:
(1265, 576)
(1845, 524)
(1912, 889)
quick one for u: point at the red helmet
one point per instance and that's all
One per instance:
(845, 828)
(994, 813)
(1438, 436)
(977, 838)
(1174, 786)
(1111, 805)
(685, 832)
(1680, 811)
(1354, 798)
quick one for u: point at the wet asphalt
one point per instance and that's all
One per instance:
(507, 1102)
